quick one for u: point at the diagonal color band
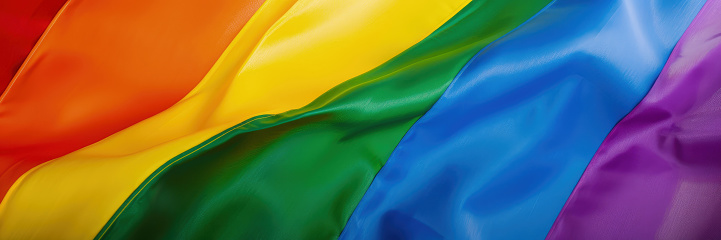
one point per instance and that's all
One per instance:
(499, 153)
(300, 174)
(278, 62)
(658, 173)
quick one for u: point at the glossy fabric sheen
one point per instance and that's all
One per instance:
(22, 22)
(497, 156)
(105, 65)
(300, 174)
(278, 62)
(658, 173)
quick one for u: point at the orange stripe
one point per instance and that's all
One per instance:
(105, 65)
(277, 63)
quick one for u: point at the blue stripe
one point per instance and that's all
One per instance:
(498, 155)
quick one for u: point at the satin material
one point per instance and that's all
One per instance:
(278, 62)
(658, 173)
(22, 22)
(300, 174)
(499, 153)
(105, 65)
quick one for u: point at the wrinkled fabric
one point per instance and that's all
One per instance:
(22, 22)
(497, 156)
(104, 65)
(300, 174)
(278, 62)
(658, 173)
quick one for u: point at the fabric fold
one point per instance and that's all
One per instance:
(21, 25)
(500, 152)
(658, 173)
(105, 65)
(278, 62)
(300, 174)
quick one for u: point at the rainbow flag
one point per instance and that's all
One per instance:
(360, 119)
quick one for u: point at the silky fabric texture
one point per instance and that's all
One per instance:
(105, 65)
(658, 173)
(22, 22)
(300, 174)
(263, 71)
(499, 153)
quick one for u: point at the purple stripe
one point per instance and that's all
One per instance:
(658, 173)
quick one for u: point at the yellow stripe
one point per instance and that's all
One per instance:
(283, 59)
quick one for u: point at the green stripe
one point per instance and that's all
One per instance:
(300, 174)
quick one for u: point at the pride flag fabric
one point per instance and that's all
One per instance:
(360, 119)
